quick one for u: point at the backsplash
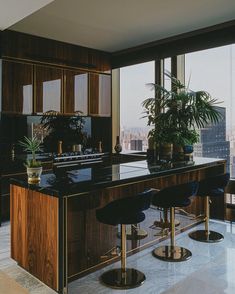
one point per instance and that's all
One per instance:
(87, 131)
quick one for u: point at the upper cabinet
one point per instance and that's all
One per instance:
(76, 92)
(100, 95)
(17, 87)
(35, 89)
(48, 89)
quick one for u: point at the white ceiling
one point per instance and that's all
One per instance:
(113, 25)
(11, 11)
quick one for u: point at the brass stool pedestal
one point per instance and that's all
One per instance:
(134, 233)
(123, 279)
(172, 253)
(208, 237)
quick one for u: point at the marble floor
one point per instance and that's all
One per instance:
(211, 270)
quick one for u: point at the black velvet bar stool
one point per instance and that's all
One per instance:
(211, 187)
(125, 211)
(171, 197)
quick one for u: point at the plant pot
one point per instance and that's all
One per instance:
(188, 152)
(34, 174)
(165, 151)
(178, 153)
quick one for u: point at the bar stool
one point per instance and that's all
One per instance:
(125, 211)
(211, 187)
(171, 197)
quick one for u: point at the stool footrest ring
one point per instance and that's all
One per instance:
(120, 279)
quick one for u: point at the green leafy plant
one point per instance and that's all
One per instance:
(32, 145)
(177, 114)
(68, 129)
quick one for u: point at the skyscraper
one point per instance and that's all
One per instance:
(212, 141)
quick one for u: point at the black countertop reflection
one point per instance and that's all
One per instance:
(64, 182)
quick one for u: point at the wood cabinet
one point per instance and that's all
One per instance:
(100, 94)
(35, 234)
(35, 89)
(48, 89)
(76, 92)
(17, 87)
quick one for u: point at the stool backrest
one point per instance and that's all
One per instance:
(211, 183)
(133, 204)
(181, 191)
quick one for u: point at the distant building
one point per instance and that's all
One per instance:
(137, 145)
(212, 142)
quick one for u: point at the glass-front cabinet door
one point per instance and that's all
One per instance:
(100, 95)
(17, 87)
(76, 92)
(48, 89)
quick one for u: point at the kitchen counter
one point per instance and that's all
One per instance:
(55, 234)
(63, 182)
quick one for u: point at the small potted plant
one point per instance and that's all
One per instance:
(34, 167)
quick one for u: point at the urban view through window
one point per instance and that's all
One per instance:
(211, 70)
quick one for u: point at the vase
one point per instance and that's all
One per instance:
(118, 146)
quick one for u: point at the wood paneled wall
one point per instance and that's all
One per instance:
(32, 48)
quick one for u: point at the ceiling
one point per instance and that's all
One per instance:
(112, 25)
(11, 11)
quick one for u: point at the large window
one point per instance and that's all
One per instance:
(213, 70)
(133, 90)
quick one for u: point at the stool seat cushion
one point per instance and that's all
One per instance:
(162, 202)
(111, 217)
(213, 186)
(175, 196)
(127, 210)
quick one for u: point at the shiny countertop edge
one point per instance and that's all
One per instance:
(78, 188)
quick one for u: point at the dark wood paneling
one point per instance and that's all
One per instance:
(17, 87)
(48, 89)
(94, 94)
(34, 233)
(100, 94)
(210, 37)
(76, 92)
(19, 225)
(38, 49)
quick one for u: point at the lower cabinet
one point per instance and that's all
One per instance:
(5, 199)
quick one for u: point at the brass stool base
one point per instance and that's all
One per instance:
(119, 279)
(203, 236)
(165, 225)
(137, 234)
(172, 253)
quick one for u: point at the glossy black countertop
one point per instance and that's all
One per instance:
(62, 183)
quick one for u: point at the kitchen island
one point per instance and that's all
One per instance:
(54, 232)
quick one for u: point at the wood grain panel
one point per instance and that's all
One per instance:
(48, 92)
(33, 48)
(18, 217)
(17, 87)
(34, 232)
(93, 94)
(76, 92)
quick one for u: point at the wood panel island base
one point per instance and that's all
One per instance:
(54, 232)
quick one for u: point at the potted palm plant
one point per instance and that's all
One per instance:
(177, 114)
(34, 167)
